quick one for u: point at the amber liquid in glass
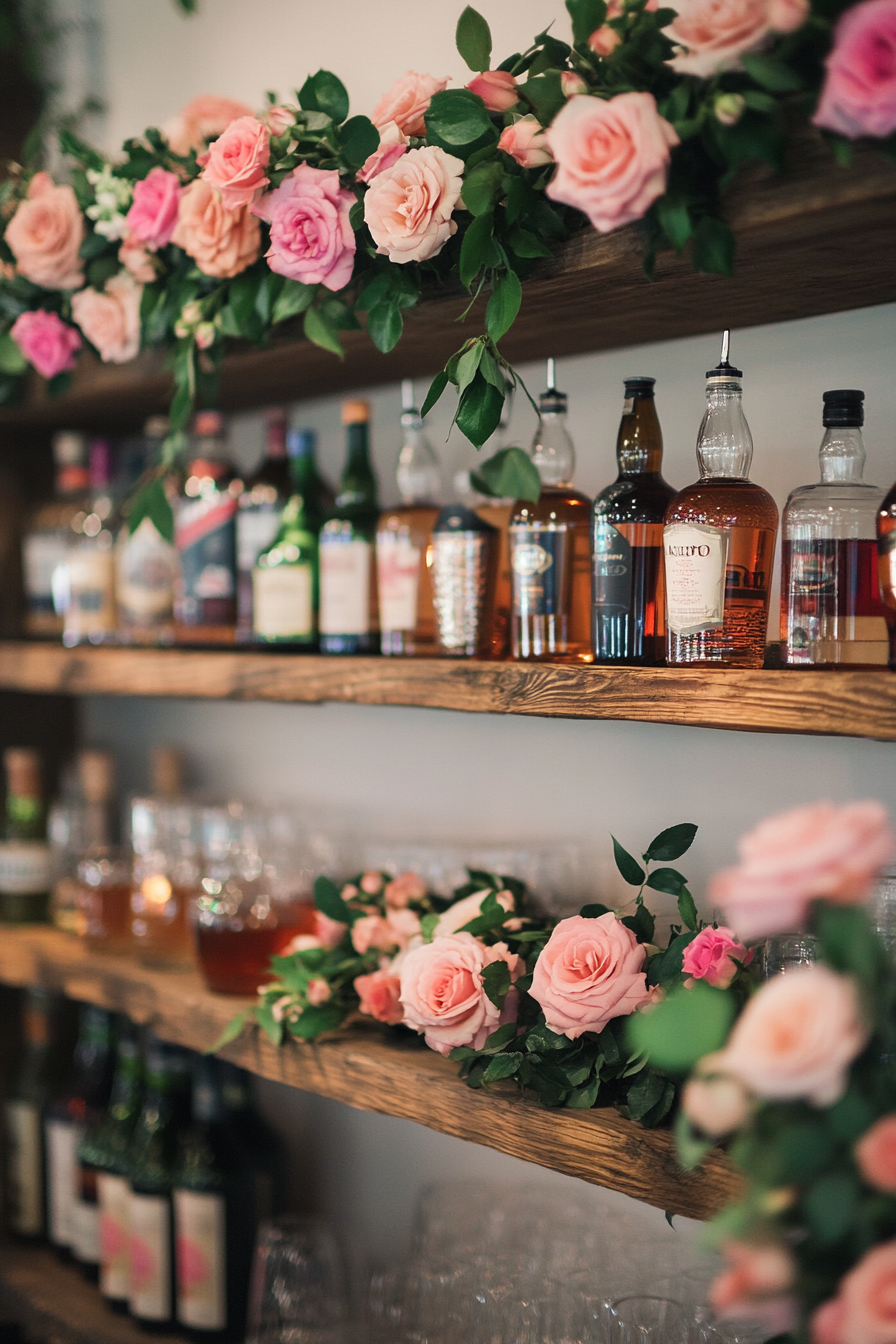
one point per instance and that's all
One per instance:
(404, 581)
(105, 917)
(498, 516)
(236, 961)
(834, 614)
(160, 923)
(550, 548)
(886, 567)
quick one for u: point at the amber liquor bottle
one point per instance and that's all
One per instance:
(628, 617)
(886, 567)
(719, 541)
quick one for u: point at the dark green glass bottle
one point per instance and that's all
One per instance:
(348, 602)
(38, 1072)
(24, 852)
(285, 579)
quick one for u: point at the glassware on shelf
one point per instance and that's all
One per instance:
(165, 838)
(84, 583)
(645, 1320)
(882, 910)
(785, 953)
(299, 1289)
(205, 537)
(465, 559)
(886, 568)
(348, 605)
(84, 817)
(47, 534)
(104, 899)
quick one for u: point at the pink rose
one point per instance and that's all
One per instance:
(406, 102)
(202, 119)
(318, 991)
(111, 320)
(330, 931)
(821, 851)
(408, 207)
(311, 237)
(393, 143)
(826, 1325)
(463, 911)
(714, 34)
(443, 995)
(236, 161)
(757, 1286)
(279, 119)
(797, 1037)
(46, 342)
(497, 89)
(859, 94)
(714, 1102)
(45, 233)
(222, 242)
(591, 970)
(712, 956)
(876, 1155)
(612, 157)
(526, 142)
(571, 83)
(866, 1310)
(153, 214)
(135, 258)
(372, 932)
(604, 41)
(403, 889)
(349, 891)
(379, 994)
(372, 883)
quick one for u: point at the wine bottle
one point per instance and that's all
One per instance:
(30, 1089)
(258, 517)
(104, 1159)
(25, 858)
(262, 1144)
(348, 606)
(205, 537)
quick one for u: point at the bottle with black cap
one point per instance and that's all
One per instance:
(831, 612)
(719, 541)
(628, 616)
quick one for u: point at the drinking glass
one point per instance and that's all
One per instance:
(298, 1293)
(780, 955)
(646, 1320)
(166, 843)
(103, 899)
(882, 910)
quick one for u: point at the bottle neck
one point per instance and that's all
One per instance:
(24, 817)
(358, 441)
(358, 486)
(842, 454)
(724, 444)
(552, 451)
(418, 475)
(303, 471)
(639, 446)
(275, 440)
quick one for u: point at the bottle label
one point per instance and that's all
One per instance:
(696, 558)
(538, 558)
(398, 578)
(886, 550)
(62, 1138)
(255, 532)
(282, 601)
(25, 867)
(86, 1218)
(24, 1168)
(113, 1198)
(460, 584)
(90, 596)
(344, 585)
(149, 1247)
(147, 566)
(201, 1260)
(612, 559)
(206, 545)
(42, 552)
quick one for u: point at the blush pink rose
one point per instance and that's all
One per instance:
(279, 119)
(373, 933)
(153, 214)
(865, 1307)
(859, 94)
(311, 237)
(604, 41)
(469, 908)
(443, 995)
(330, 932)
(526, 142)
(393, 143)
(826, 1324)
(821, 851)
(318, 991)
(714, 34)
(135, 258)
(237, 160)
(714, 1102)
(46, 342)
(408, 207)
(571, 83)
(712, 956)
(876, 1155)
(797, 1037)
(202, 119)
(45, 233)
(497, 89)
(406, 102)
(591, 971)
(612, 157)
(222, 242)
(372, 883)
(379, 994)
(403, 889)
(757, 1286)
(111, 320)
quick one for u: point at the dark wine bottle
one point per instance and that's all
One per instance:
(32, 1085)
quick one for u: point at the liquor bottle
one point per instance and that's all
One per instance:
(29, 1091)
(164, 836)
(83, 819)
(285, 581)
(25, 856)
(628, 583)
(831, 612)
(205, 537)
(348, 606)
(465, 558)
(146, 564)
(719, 541)
(84, 584)
(305, 476)
(214, 1217)
(258, 517)
(497, 513)
(550, 548)
(404, 540)
(104, 1165)
(47, 533)
(262, 1144)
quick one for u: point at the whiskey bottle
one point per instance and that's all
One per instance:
(258, 518)
(404, 540)
(47, 535)
(285, 580)
(831, 612)
(146, 564)
(84, 584)
(25, 856)
(104, 1162)
(550, 548)
(465, 558)
(719, 541)
(348, 605)
(628, 584)
(205, 536)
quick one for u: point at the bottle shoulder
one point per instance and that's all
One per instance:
(634, 499)
(556, 505)
(723, 502)
(847, 507)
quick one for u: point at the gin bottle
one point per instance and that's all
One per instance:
(146, 562)
(348, 606)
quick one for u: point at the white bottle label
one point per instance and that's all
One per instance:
(147, 568)
(696, 557)
(344, 586)
(26, 1195)
(42, 552)
(86, 1232)
(25, 867)
(281, 601)
(149, 1242)
(90, 606)
(398, 578)
(201, 1260)
(114, 1197)
(62, 1138)
(255, 532)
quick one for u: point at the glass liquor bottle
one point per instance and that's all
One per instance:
(262, 1144)
(84, 584)
(30, 1089)
(550, 548)
(205, 537)
(104, 1165)
(404, 539)
(348, 605)
(831, 612)
(47, 534)
(25, 856)
(465, 558)
(165, 840)
(628, 585)
(305, 476)
(719, 541)
(146, 564)
(258, 517)
(285, 580)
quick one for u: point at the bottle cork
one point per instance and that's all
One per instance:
(167, 769)
(96, 773)
(355, 412)
(22, 765)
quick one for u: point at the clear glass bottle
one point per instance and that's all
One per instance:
(258, 518)
(348, 603)
(719, 541)
(404, 541)
(465, 558)
(550, 549)
(47, 533)
(146, 564)
(205, 537)
(25, 855)
(628, 583)
(81, 821)
(84, 584)
(831, 612)
(285, 579)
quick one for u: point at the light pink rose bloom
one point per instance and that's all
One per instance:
(202, 119)
(591, 971)
(404, 923)
(497, 89)
(330, 931)
(279, 119)
(526, 142)
(821, 851)
(111, 320)
(403, 889)
(46, 342)
(443, 995)
(757, 1286)
(604, 41)
(876, 1155)
(153, 214)
(826, 1324)
(709, 957)
(303, 942)
(318, 991)
(866, 1303)
(373, 932)
(463, 911)
(714, 1102)
(222, 242)
(408, 207)
(349, 891)
(45, 233)
(372, 883)
(716, 33)
(379, 994)
(393, 143)
(135, 258)
(406, 102)
(311, 237)
(797, 1037)
(571, 83)
(236, 162)
(859, 94)
(612, 157)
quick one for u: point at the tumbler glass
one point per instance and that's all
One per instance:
(780, 955)
(646, 1320)
(298, 1293)
(104, 899)
(166, 841)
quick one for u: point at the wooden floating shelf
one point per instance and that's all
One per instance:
(843, 703)
(820, 240)
(365, 1071)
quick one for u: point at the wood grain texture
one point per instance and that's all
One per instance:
(843, 703)
(369, 1073)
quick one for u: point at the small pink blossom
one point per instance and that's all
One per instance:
(604, 41)
(279, 119)
(372, 883)
(711, 956)
(526, 142)
(236, 162)
(864, 1310)
(46, 342)
(716, 1103)
(393, 143)
(329, 931)
(45, 235)
(757, 1286)
(349, 891)
(469, 908)
(497, 89)
(303, 942)
(406, 102)
(311, 237)
(202, 119)
(111, 320)
(318, 992)
(826, 1325)
(403, 889)
(379, 994)
(152, 217)
(136, 259)
(876, 1155)
(859, 94)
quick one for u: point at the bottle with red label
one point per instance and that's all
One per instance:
(205, 536)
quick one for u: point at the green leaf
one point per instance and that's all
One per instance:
(675, 220)
(594, 910)
(428, 927)
(760, 102)
(691, 1148)
(153, 503)
(713, 246)
(583, 1098)
(322, 332)
(508, 474)
(631, 870)
(688, 910)
(314, 1021)
(671, 843)
(491, 916)
(642, 924)
(668, 880)
(358, 139)
(503, 305)
(243, 299)
(545, 93)
(587, 16)
(771, 73)
(478, 248)
(233, 1029)
(482, 187)
(830, 1207)
(12, 361)
(457, 118)
(501, 1066)
(385, 325)
(496, 980)
(328, 901)
(436, 388)
(848, 942)
(524, 243)
(75, 148)
(269, 1025)
(474, 40)
(467, 367)
(324, 92)
(293, 298)
(686, 1025)
(644, 1093)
